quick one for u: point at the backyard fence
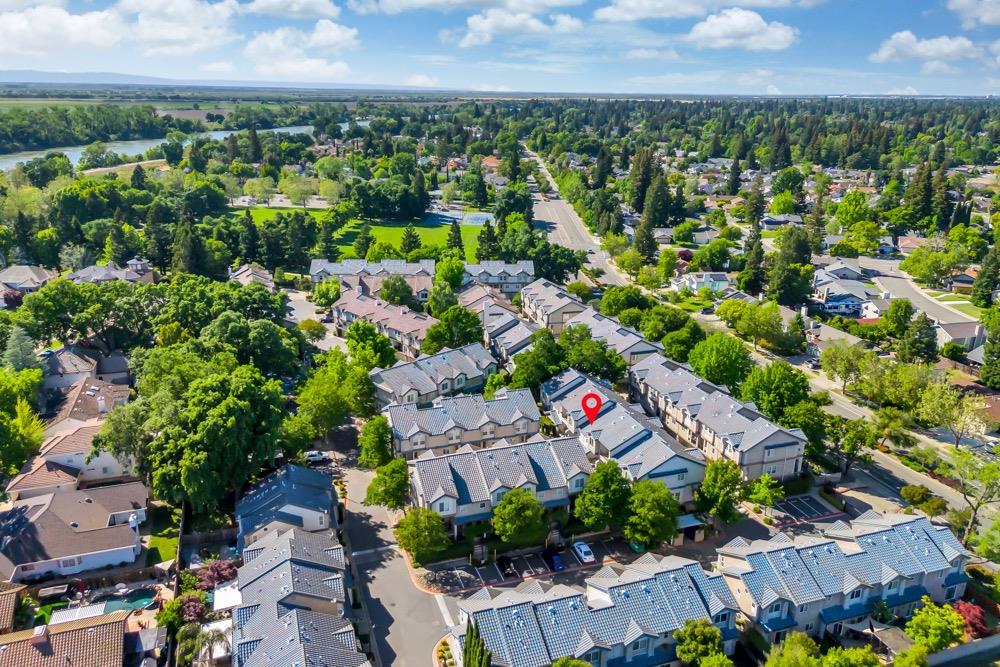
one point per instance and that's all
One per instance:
(978, 652)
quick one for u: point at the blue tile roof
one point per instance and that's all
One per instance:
(839, 613)
(783, 623)
(955, 578)
(911, 594)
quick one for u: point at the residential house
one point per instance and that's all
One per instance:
(136, 271)
(731, 293)
(826, 585)
(969, 335)
(86, 400)
(512, 416)
(420, 381)
(961, 283)
(404, 327)
(875, 308)
(66, 366)
(290, 497)
(626, 616)
(66, 533)
(93, 641)
(464, 486)
(623, 433)
(366, 278)
(717, 282)
(508, 278)
(475, 295)
(842, 269)
(64, 463)
(26, 279)
(772, 222)
(703, 415)
(549, 305)
(295, 604)
(249, 274)
(625, 341)
(705, 234)
(506, 334)
(841, 297)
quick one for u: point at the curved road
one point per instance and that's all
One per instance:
(903, 288)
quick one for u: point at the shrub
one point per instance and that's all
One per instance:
(915, 494)
(935, 506)
(216, 572)
(975, 619)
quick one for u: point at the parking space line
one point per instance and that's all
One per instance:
(575, 557)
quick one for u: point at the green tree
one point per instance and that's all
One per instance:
(789, 284)
(455, 237)
(915, 656)
(631, 261)
(619, 298)
(19, 353)
(944, 404)
(978, 481)
(441, 298)
(517, 515)
(919, 343)
(989, 373)
(567, 661)
(313, 331)
(652, 514)
(721, 359)
(858, 439)
(677, 345)
(397, 291)
(364, 342)
(540, 362)
(582, 352)
(451, 270)
(752, 276)
(604, 501)
(363, 241)
(775, 388)
(375, 448)
(859, 656)
(474, 651)
(720, 490)
(896, 320)
(798, 650)
(697, 640)
(766, 491)
(987, 280)
(327, 292)
(893, 425)
(716, 660)
(422, 534)
(390, 486)
(842, 361)
(455, 327)
(935, 627)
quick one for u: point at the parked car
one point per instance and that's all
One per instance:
(553, 560)
(313, 456)
(506, 567)
(814, 364)
(583, 552)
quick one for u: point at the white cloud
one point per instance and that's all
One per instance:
(47, 29)
(17, 5)
(421, 80)
(741, 29)
(282, 53)
(975, 12)
(651, 54)
(491, 88)
(438, 59)
(180, 26)
(635, 10)
(516, 6)
(484, 26)
(773, 89)
(902, 90)
(932, 67)
(904, 45)
(219, 67)
(296, 9)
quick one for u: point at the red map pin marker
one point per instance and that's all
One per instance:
(591, 404)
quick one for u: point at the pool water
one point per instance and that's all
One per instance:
(137, 599)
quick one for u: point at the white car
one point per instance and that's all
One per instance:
(583, 552)
(314, 456)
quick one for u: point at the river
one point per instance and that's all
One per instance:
(133, 146)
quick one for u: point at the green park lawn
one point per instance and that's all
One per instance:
(430, 230)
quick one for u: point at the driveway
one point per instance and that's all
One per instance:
(301, 309)
(903, 288)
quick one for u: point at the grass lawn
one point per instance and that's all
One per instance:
(45, 611)
(164, 526)
(432, 230)
(694, 304)
(968, 309)
(953, 297)
(770, 234)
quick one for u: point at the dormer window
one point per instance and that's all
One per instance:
(775, 608)
(855, 594)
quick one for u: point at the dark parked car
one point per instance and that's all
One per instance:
(553, 560)
(506, 567)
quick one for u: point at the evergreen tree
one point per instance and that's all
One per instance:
(939, 198)
(232, 147)
(987, 280)
(677, 211)
(363, 241)
(115, 248)
(989, 374)
(815, 227)
(24, 233)
(256, 152)
(455, 236)
(641, 177)
(474, 651)
(188, 252)
(733, 184)
(919, 343)
(410, 240)
(751, 278)
(418, 191)
(755, 201)
(249, 239)
(918, 194)
(19, 353)
(157, 238)
(139, 178)
(602, 169)
(489, 246)
(779, 151)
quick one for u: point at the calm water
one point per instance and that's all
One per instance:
(135, 146)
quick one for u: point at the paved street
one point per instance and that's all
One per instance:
(301, 309)
(903, 288)
(565, 228)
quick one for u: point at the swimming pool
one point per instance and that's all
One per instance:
(140, 598)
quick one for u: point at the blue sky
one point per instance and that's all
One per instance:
(927, 47)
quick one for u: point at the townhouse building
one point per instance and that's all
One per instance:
(625, 341)
(700, 414)
(624, 434)
(549, 305)
(831, 583)
(363, 277)
(291, 497)
(626, 616)
(405, 328)
(424, 379)
(505, 333)
(464, 486)
(509, 278)
(452, 422)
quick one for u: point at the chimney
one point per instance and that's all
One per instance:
(40, 635)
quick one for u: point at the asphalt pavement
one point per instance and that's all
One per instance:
(903, 288)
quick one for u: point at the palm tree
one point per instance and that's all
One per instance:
(209, 639)
(892, 424)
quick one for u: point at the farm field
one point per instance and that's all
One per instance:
(433, 230)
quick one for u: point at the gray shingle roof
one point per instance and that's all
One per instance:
(468, 412)
(619, 338)
(358, 267)
(525, 268)
(424, 374)
(293, 486)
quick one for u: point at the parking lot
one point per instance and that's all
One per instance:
(800, 509)
(455, 577)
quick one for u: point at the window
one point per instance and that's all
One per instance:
(594, 657)
(809, 626)
(767, 453)
(455, 435)
(803, 607)
(579, 482)
(892, 585)
(771, 470)
(320, 519)
(722, 618)
(442, 506)
(521, 426)
(855, 594)
(460, 381)
(950, 593)
(776, 607)
(106, 470)
(445, 386)
(641, 645)
(482, 505)
(680, 477)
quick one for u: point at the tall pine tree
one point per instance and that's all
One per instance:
(987, 280)
(489, 246)
(188, 252)
(455, 236)
(641, 177)
(474, 652)
(410, 240)
(733, 183)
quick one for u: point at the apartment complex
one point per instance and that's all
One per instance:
(365, 278)
(424, 379)
(508, 278)
(405, 328)
(549, 305)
